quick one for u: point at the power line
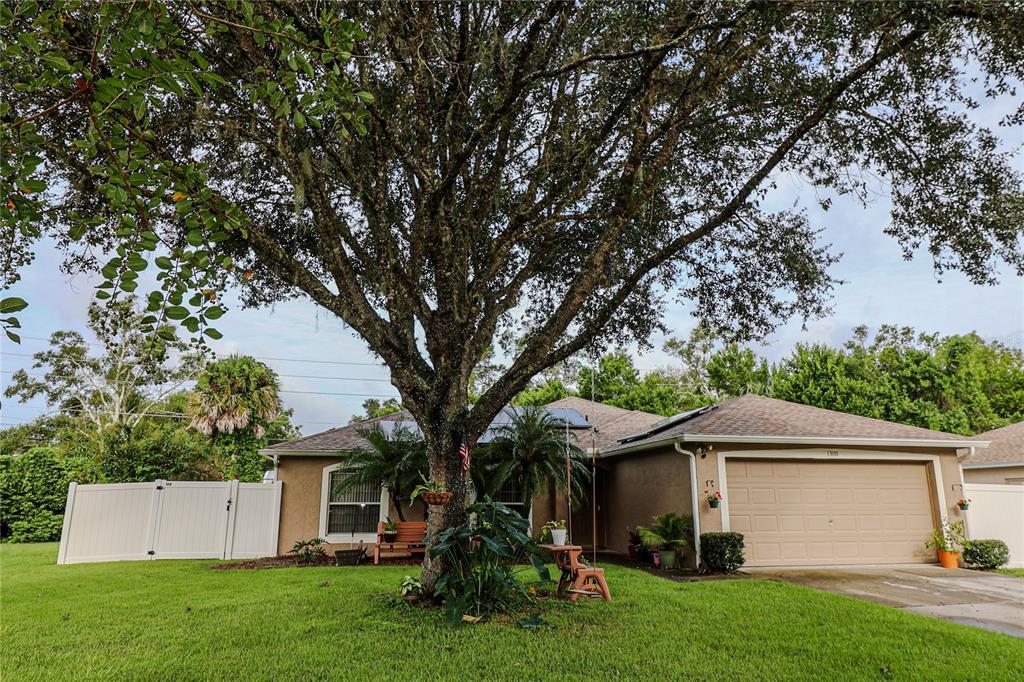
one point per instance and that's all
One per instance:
(289, 376)
(169, 415)
(258, 357)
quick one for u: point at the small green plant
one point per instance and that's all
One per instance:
(309, 551)
(553, 525)
(986, 553)
(483, 555)
(390, 526)
(411, 587)
(949, 537)
(721, 552)
(668, 531)
(429, 485)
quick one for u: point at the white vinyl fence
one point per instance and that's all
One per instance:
(997, 511)
(170, 520)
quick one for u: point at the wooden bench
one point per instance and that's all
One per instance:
(578, 578)
(408, 540)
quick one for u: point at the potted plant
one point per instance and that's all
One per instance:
(714, 498)
(964, 503)
(432, 492)
(636, 545)
(390, 531)
(667, 535)
(557, 530)
(948, 540)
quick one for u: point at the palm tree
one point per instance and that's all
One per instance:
(531, 449)
(237, 397)
(395, 460)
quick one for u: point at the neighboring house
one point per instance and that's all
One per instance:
(311, 505)
(805, 486)
(1002, 461)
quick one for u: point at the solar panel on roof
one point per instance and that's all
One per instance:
(568, 416)
(666, 423)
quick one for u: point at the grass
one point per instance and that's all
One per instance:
(1019, 572)
(180, 620)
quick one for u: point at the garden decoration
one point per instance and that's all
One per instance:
(964, 503)
(714, 499)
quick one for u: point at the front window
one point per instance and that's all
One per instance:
(353, 510)
(511, 495)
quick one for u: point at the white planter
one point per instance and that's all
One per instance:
(558, 536)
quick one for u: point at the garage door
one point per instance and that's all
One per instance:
(794, 512)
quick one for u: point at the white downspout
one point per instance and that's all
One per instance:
(694, 503)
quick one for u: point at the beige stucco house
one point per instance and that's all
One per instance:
(1002, 461)
(805, 486)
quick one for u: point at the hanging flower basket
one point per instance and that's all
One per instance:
(964, 504)
(714, 503)
(440, 498)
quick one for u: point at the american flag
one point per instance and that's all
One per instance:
(464, 455)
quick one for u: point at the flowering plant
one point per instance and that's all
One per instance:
(712, 496)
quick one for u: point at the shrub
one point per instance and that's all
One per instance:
(34, 489)
(481, 556)
(721, 552)
(309, 551)
(43, 526)
(986, 553)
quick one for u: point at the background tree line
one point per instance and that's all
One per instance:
(960, 383)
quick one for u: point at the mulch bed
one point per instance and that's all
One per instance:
(289, 561)
(679, 575)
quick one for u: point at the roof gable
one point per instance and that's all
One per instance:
(1006, 446)
(753, 416)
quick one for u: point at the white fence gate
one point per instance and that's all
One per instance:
(170, 520)
(997, 511)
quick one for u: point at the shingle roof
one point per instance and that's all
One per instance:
(334, 440)
(1006, 446)
(610, 422)
(348, 438)
(752, 415)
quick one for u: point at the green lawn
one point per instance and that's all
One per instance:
(181, 620)
(1019, 572)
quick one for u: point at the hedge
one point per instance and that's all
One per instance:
(721, 552)
(34, 488)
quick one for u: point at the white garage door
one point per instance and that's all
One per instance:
(796, 512)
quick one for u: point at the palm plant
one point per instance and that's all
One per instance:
(235, 394)
(668, 531)
(234, 402)
(531, 449)
(395, 460)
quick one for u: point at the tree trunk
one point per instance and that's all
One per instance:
(445, 465)
(397, 497)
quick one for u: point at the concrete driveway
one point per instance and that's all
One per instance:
(986, 600)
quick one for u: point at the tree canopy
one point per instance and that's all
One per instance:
(444, 175)
(959, 383)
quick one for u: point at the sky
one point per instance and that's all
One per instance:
(327, 372)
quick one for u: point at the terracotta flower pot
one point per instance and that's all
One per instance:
(949, 559)
(437, 498)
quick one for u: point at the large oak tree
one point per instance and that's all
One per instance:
(442, 175)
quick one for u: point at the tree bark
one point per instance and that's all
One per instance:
(445, 465)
